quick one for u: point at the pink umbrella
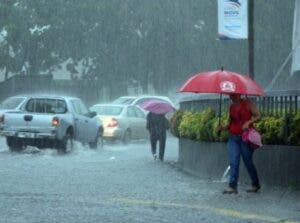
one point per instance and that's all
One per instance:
(156, 106)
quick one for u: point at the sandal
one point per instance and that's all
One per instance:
(230, 191)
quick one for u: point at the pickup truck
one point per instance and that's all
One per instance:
(47, 121)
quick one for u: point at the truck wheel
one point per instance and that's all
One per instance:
(65, 145)
(98, 143)
(14, 144)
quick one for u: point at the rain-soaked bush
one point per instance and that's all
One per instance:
(220, 136)
(205, 132)
(294, 137)
(190, 125)
(272, 130)
(203, 126)
(175, 121)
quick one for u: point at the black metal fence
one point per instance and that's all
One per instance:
(276, 103)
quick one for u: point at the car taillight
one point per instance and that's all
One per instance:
(113, 123)
(1, 118)
(55, 121)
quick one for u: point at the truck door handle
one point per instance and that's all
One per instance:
(28, 118)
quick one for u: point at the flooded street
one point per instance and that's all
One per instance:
(124, 184)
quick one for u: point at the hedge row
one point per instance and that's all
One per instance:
(203, 126)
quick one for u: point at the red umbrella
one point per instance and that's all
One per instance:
(222, 81)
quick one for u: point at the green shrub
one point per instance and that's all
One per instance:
(220, 136)
(271, 130)
(175, 121)
(205, 132)
(203, 126)
(294, 137)
(190, 124)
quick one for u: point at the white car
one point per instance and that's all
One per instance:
(121, 122)
(137, 100)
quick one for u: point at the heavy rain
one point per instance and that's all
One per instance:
(76, 79)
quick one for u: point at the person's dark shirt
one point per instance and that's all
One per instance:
(157, 123)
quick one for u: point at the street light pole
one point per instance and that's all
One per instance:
(251, 38)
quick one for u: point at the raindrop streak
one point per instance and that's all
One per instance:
(225, 177)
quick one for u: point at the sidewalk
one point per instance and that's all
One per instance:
(270, 204)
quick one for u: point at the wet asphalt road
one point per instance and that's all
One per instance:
(124, 184)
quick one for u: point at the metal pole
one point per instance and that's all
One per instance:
(251, 38)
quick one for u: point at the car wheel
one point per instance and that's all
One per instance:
(98, 143)
(127, 137)
(14, 144)
(66, 144)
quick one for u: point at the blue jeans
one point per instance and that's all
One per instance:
(236, 148)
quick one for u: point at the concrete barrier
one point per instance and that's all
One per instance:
(276, 165)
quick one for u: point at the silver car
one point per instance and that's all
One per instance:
(121, 122)
(51, 121)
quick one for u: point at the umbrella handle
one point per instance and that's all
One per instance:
(220, 110)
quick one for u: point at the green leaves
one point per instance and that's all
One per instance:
(294, 138)
(272, 130)
(203, 126)
(198, 125)
(175, 122)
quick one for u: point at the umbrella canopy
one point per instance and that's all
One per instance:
(156, 106)
(223, 82)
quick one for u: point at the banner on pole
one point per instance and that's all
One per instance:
(296, 39)
(232, 19)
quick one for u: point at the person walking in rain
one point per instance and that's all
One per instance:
(157, 125)
(242, 114)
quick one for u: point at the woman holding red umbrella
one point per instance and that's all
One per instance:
(242, 114)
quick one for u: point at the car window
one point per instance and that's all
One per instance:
(107, 110)
(131, 112)
(11, 103)
(43, 105)
(79, 107)
(139, 113)
(60, 107)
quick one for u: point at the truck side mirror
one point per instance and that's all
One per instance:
(93, 114)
